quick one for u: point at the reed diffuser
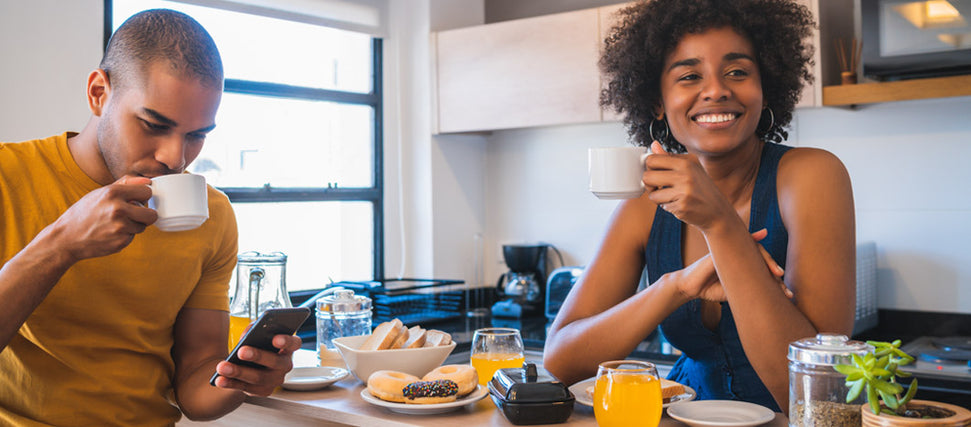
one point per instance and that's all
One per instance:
(849, 58)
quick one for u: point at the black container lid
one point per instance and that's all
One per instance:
(528, 384)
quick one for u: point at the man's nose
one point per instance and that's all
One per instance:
(171, 153)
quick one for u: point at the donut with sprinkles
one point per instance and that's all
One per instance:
(425, 392)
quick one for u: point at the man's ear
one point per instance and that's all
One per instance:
(97, 91)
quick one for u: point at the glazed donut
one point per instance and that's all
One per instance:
(463, 375)
(389, 385)
(438, 391)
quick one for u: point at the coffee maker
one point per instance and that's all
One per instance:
(521, 289)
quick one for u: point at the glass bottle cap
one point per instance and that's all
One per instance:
(827, 349)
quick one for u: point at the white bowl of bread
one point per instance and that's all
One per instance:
(392, 346)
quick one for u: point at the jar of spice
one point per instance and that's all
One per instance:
(817, 393)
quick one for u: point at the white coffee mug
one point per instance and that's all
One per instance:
(181, 201)
(617, 172)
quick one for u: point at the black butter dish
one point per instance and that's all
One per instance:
(529, 395)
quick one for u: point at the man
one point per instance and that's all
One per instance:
(105, 320)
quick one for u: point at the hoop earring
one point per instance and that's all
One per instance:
(650, 130)
(771, 121)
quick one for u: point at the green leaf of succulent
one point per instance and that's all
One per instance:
(858, 361)
(854, 376)
(902, 374)
(889, 399)
(896, 343)
(905, 359)
(883, 361)
(886, 387)
(869, 361)
(846, 369)
(882, 373)
(871, 397)
(855, 391)
(911, 391)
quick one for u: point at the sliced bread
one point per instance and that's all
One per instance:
(416, 337)
(435, 338)
(383, 336)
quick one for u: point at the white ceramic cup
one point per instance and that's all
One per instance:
(617, 172)
(181, 201)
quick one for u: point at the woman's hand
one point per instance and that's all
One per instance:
(700, 280)
(679, 184)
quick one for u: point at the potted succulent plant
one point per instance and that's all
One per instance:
(888, 402)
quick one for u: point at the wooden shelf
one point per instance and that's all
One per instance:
(903, 90)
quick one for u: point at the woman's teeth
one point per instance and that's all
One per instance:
(715, 118)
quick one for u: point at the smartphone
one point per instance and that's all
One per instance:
(273, 322)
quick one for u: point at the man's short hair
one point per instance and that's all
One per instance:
(161, 36)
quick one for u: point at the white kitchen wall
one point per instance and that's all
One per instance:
(47, 49)
(909, 162)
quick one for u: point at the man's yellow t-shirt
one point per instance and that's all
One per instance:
(97, 349)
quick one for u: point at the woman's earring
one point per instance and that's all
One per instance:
(771, 121)
(650, 130)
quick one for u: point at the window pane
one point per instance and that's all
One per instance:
(322, 240)
(258, 48)
(288, 143)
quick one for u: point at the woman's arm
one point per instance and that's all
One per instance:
(602, 318)
(816, 203)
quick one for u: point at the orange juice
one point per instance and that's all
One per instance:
(237, 325)
(486, 364)
(627, 400)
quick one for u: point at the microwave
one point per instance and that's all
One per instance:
(915, 39)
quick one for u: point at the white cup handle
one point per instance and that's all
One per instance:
(643, 160)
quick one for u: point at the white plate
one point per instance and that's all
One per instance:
(579, 391)
(313, 378)
(721, 413)
(433, 408)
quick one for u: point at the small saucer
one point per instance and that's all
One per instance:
(313, 378)
(618, 195)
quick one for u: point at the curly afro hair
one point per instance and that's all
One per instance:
(648, 31)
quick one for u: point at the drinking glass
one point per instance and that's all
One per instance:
(494, 349)
(627, 393)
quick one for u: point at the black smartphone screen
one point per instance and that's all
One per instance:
(273, 322)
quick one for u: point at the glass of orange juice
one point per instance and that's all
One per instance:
(494, 349)
(627, 393)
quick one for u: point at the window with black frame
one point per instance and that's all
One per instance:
(297, 144)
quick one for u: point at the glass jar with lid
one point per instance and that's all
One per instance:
(340, 314)
(817, 393)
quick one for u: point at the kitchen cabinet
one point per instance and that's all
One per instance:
(543, 71)
(528, 72)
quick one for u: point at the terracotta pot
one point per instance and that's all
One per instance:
(961, 417)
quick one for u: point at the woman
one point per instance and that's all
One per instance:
(710, 86)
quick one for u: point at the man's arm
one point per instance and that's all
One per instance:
(101, 223)
(201, 338)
